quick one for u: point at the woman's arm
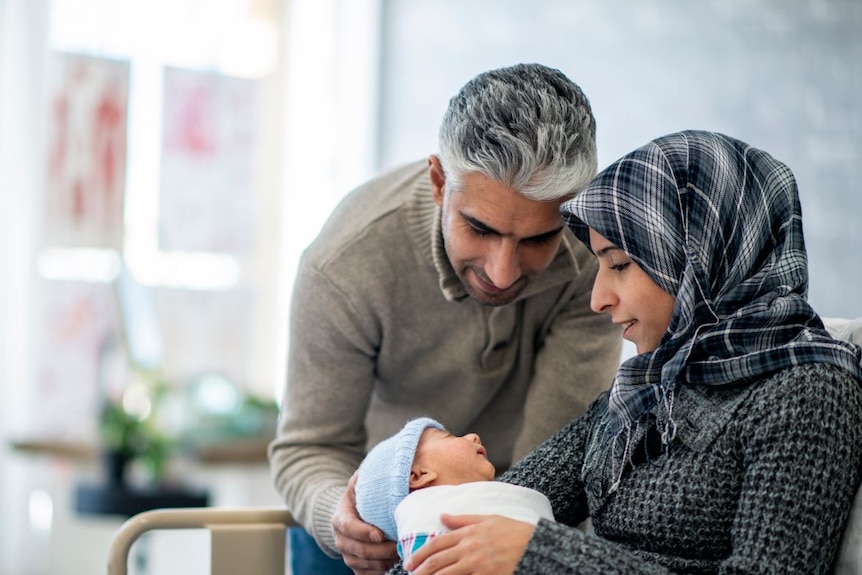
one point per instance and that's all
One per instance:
(554, 469)
(803, 461)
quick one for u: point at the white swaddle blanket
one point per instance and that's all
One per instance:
(418, 515)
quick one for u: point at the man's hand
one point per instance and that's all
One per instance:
(362, 546)
(477, 545)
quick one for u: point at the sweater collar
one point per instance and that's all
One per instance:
(701, 413)
(425, 223)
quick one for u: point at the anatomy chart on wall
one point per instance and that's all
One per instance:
(207, 199)
(86, 151)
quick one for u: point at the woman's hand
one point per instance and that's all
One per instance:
(362, 546)
(477, 545)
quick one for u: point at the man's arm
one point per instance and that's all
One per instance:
(321, 435)
(576, 362)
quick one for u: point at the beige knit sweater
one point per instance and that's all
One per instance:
(382, 331)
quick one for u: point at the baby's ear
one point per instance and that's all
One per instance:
(420, 477)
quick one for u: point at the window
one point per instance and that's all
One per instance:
(161, 162)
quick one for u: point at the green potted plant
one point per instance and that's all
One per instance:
(130, 434)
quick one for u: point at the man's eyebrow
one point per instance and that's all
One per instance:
(544, 236)
(480, 225)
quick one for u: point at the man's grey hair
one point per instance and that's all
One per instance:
(526, 126)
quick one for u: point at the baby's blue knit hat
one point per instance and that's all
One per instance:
(384, 476)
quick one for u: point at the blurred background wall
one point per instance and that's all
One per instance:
(781, 75)
(284, 106)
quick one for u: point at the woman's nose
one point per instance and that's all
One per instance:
(602, 298)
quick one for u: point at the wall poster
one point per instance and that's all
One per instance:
(209, 145)
(86, 149)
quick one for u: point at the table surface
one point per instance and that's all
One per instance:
(251, 450)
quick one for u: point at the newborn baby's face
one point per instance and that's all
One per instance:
(454, 459)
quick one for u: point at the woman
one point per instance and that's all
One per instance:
(732, 443)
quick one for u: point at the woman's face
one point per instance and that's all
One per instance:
(633, 300)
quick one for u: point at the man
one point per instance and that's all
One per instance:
(449, 289)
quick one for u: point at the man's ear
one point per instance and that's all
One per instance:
(438, 179)
(420, 477)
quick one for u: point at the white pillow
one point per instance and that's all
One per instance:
(849, 561)
(846, 329)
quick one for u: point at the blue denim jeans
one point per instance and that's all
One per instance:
(306, 558)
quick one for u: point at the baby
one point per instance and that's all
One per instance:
(408, 480)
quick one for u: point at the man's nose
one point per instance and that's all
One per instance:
(503, 267)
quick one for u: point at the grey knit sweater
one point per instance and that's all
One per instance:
(758, 479)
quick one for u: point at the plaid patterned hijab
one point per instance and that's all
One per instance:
(717, 224)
